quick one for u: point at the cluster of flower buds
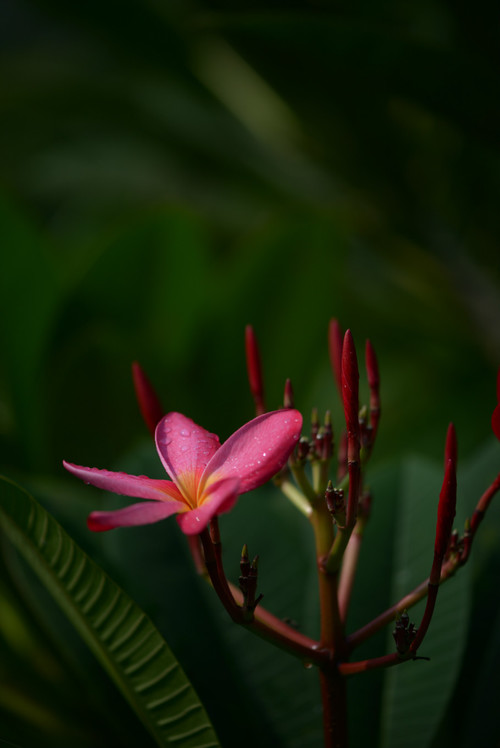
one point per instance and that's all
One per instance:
(248, 580)
(362, 424)
(335, 502)
(356, 442)
(347, 504)
(404, 633)
(319, 446)
(206, 478)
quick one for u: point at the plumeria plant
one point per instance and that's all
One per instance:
(325, 481)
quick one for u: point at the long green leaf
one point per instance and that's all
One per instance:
(416, 694)
(119, 633)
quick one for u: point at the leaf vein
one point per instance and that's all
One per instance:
(65, 567)
(107, 611)
(150, 683)
(55, 558)
(117, 622)
(43, 533)
(94, 598)
(72, 584)
(179, 716)
(189, 733)
(137, 645)
(128, 633)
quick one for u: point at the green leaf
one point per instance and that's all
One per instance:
(416, 694)
(120, 635)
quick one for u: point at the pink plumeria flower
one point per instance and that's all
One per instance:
(207, 478)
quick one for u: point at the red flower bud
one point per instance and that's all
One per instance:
(149, 403)
(445, 517)
(350, 385)
(288, 395)
(254, 369)
(450, 449)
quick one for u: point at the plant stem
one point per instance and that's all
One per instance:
(334, 700)
(331, 624)
(333, 687)
(296, 497)
(448, 568)
(348, 571)
(306, 648)
(265, 626)
(406, 602)
(478, 516)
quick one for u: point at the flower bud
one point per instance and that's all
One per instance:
(254, 370)
(149, 403)
(288, 395)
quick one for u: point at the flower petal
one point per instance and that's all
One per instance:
(128, 485)
(136, 514)
(220, 497)
(185, 449)
(257, 451)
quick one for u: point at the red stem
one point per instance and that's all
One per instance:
(348, 571)
(477, 517)
(395, 658)
(282, 636)
(334, 700)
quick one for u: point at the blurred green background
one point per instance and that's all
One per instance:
(172, 171)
